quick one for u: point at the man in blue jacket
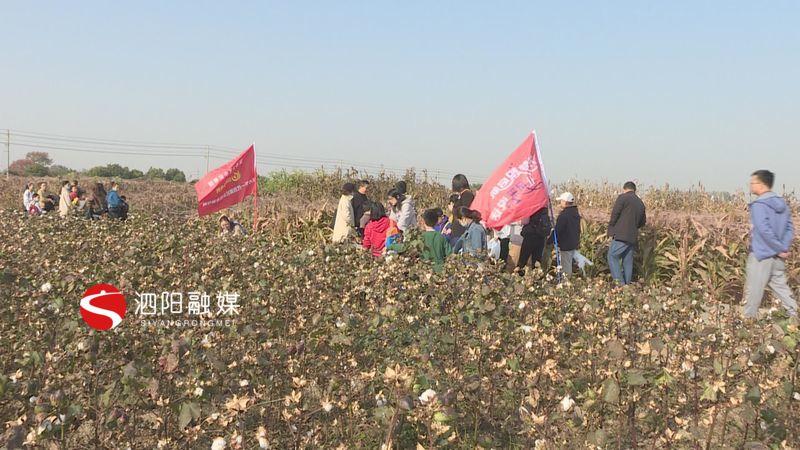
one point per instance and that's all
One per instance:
(770, 240)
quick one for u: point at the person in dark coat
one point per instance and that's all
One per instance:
(627, 216)
(96, 204)
(360, 206)
(465, 197)
(534, 238)
(568, 231)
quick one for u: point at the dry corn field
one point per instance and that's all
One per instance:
(332, 349)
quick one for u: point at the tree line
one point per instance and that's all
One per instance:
(39, 164)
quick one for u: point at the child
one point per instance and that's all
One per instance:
(33, 208)
(473, 241)
(73, 194)
(436, 246)
(447, 230)
(375, 231)
(442, 221)
(393, 234)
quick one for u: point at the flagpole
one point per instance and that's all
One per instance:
(559, 272)
(255, 195)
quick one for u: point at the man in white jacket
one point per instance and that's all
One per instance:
(343, 224)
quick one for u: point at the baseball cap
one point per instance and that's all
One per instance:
(567, 197)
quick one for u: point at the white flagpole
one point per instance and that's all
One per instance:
(559, 272)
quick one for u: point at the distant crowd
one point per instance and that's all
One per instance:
(458, 228)
(381, 230)
(74, 200)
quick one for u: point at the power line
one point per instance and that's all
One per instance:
(113, 142)
(126, 147)
(110, 152)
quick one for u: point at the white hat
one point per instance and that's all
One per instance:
(567, 197)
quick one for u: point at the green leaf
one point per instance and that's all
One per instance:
(635, 378)
(189, 411)
(709, 393)
(611, 391)
(754, 395)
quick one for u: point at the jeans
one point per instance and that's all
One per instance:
(760, 274)
(620, 261)
(566, 261)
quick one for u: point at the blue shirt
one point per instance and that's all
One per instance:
(113, 200)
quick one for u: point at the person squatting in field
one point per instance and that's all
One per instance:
(473, 240)
(771, 238)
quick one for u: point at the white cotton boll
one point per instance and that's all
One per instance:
(529, 345)
(244, 383)
(218, 444)
(770, 348)
(311, 253)
(796, 396)
(255, 265)
(46, 287)
(567, 403)
(526, 328)
(327, 406)
(427, 396)
(522, 305)
(198, 391)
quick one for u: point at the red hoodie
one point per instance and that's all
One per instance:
(375, 235)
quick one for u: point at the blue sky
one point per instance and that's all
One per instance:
(678, 92)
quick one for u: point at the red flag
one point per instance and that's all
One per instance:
(516, 189)
(228, 184)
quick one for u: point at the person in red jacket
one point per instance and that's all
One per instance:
(375, 231)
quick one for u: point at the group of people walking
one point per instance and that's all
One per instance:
(381, 229)
(72, 199)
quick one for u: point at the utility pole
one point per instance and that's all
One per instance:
(8, 153)
(208, 151)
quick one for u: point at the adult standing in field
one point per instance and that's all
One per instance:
(116, 206)
(402, 210)
(465, 196)
(27, 196)
(568, 231)
(627, 217)
(534, 239)
(360, 206)
(771, 238)
(343, 224)
(63, 200)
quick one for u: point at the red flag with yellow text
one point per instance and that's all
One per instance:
(516, 189)
(228, 184)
